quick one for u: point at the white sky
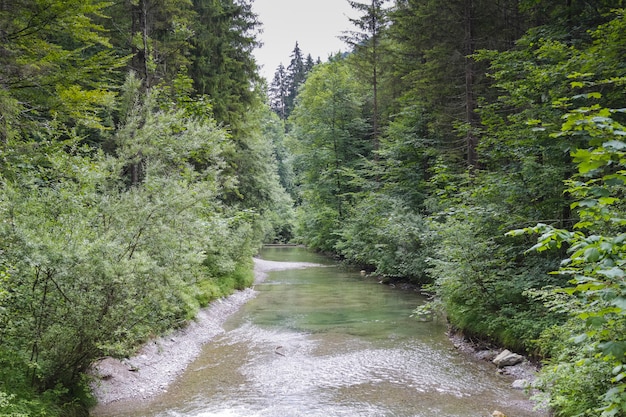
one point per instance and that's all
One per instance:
(314, 24)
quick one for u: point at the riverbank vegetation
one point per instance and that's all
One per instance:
(450, 138)
(142, 165)
(137, 180)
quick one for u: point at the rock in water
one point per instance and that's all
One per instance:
(520, 384)
(507, 358)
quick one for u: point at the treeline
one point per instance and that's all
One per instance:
(284, 87)
(452, 133)
(137, 179)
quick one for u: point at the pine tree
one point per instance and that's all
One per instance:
(223, 67)
(278, 92)
(296, 74)
(436, 67)
(366, 44)
(287, 81)
(309, 64)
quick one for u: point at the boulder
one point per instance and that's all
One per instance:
(507, 358)
(520, 384)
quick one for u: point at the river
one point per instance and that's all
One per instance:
(324, 341)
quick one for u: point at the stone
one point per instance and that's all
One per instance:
(486, 355)
(520, 384)
(497, 413)
(507, 358)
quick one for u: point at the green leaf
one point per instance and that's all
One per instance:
(588, 203)
(615, 144)
(620, 302)
(591, 254)
(595, 321)
(608, 200)
(613, 349)
(612, 273)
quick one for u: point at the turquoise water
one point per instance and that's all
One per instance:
(324, 341)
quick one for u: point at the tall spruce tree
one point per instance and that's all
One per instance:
(309, 63)
(223, 67)
(436, 65)
(287, 81)
(278, 92)
(296, 74)
(366, 44)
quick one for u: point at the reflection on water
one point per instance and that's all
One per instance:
(327, 342)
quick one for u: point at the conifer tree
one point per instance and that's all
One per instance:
(287, 81)
(437, 69)
(296, 74)
(278, 92)
(223, 66)
(366, 44)
(309, 63)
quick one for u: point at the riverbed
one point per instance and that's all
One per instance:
(325, 341)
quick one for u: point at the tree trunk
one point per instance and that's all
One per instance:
(470, 100)
(139, 26)
(375, 35)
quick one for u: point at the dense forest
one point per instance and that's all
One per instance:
(473, 147)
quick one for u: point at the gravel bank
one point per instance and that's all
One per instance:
(159, 362)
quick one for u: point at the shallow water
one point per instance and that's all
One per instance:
(324, 341)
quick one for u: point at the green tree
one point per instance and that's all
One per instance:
(295, 76)
(367, 46)
(286, 83)
(592, 352)
(278, 92)
(223, 67)
(436, 67)
(55, 66)
(156, 34)
(328, 145)
(596, 256)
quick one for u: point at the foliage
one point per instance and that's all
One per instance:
(223, 67)
(483, 284)
(328, 149)
(286, 83)
(55, 66)
(407, 158)
(595, 245)
(367, 51)
(124, 206)
(388, 236)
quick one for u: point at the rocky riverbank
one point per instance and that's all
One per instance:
(159, 362)
(523, 371)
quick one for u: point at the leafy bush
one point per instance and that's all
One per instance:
(573, 379)
(389, 237)
(484, 283)
(102, 251)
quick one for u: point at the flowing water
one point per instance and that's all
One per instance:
(324, 341)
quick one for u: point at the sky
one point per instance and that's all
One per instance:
(314, 24)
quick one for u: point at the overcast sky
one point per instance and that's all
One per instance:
(315, 24)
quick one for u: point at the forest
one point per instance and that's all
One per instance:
(476, 148)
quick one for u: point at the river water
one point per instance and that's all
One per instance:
(324, 341)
